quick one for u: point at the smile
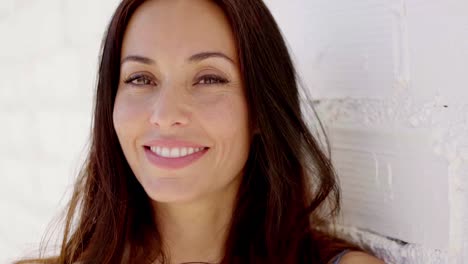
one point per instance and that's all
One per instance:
(174, 152)
(173, 158)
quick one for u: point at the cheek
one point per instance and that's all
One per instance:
(126, 117)
(229, 127)
(227, 116)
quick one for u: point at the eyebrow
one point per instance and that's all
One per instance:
(194, 58)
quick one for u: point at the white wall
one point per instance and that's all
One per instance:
(390, 77)
(48, 63)
(391, 81)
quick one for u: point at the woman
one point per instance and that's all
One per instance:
(199, 151)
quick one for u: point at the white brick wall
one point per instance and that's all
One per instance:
(391, 83)
(390, 77)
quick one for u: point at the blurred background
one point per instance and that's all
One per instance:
(389, 79)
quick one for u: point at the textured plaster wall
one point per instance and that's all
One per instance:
(389, 79)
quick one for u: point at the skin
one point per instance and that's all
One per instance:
(174, 99)
(356, 257)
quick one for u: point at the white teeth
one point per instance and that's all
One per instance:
(174, 152)
(165, 152)
(190, 151)
(183, 152)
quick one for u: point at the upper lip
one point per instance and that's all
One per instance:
(173, 143)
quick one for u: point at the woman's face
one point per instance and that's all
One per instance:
(180, 113)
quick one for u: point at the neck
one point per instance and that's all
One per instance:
(196, 230)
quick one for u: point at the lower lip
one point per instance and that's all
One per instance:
(173, 163)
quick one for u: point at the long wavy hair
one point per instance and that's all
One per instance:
(288, 190)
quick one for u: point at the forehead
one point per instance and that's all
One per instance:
(178, 28)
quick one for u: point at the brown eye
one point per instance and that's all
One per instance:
(139, 80)
(211, 79)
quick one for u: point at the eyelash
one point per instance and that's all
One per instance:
(217, 79)
(132, 78)
(145, 78)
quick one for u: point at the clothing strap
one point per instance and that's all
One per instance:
(337, 258)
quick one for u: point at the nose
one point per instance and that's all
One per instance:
(168, 109)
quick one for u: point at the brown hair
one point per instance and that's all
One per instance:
(288, 178)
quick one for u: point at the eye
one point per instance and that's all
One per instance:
(211, 79)
(139, 80)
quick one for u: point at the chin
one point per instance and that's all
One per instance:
(171, 198)
(170, 191)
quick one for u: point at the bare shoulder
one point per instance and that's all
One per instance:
(357, 257)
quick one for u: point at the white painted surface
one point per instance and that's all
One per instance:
(390, 77)
(390, 80)
(48, 63)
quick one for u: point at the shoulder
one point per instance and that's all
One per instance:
(357, 257)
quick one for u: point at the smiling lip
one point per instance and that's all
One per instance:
(171, 143)
(173, 163)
